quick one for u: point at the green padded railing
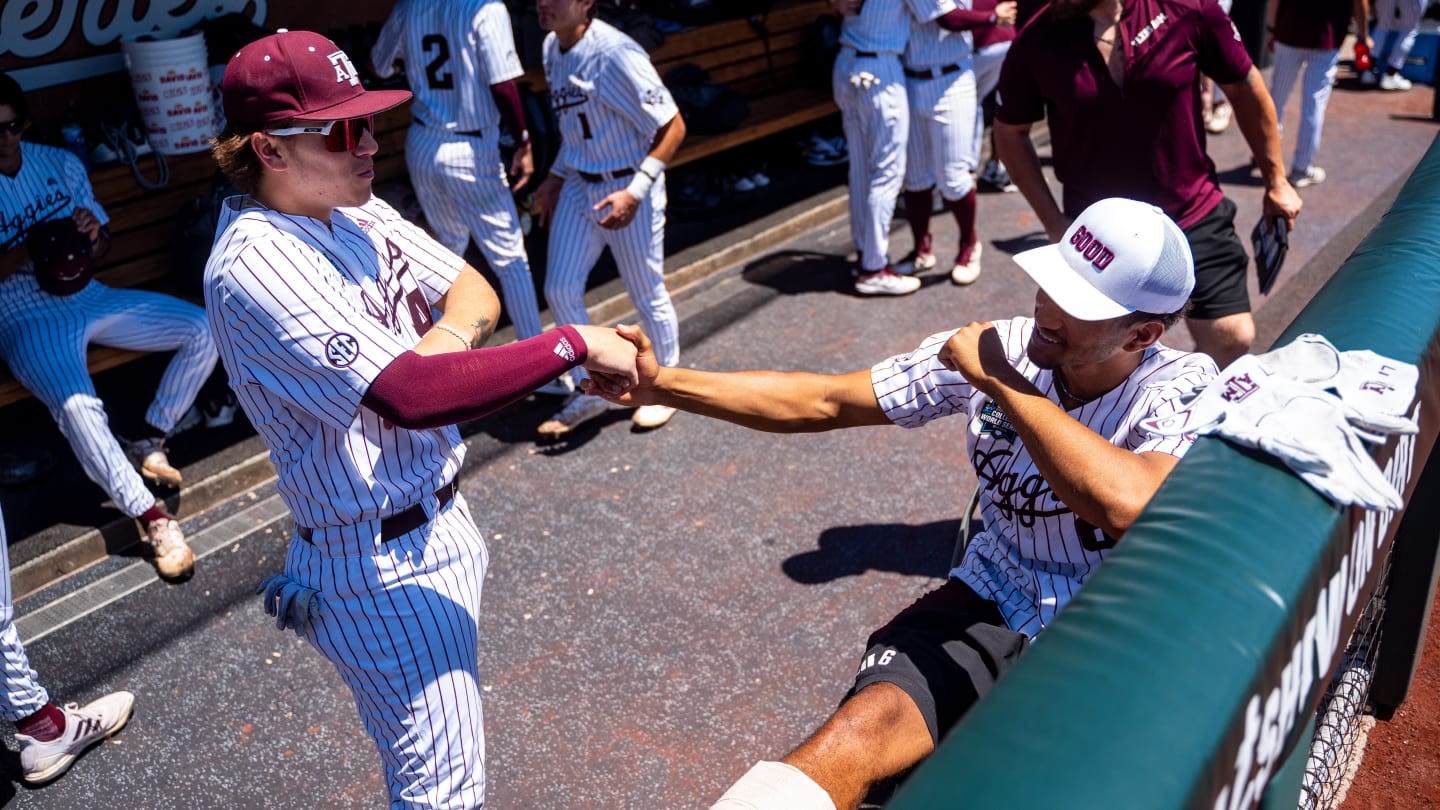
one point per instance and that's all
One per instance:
(1186, 674)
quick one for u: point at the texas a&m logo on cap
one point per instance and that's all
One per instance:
(1092, 249)
(344, 69)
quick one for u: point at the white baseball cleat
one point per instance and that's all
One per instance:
(1312, 176)
(562, 386)
(886, 282)
(649, 417)
(967, 268)
(173, 557)
(148, 456)
(1219, 119)
(579, 409)
(85, 725)
(921, 261)
(1394, 81)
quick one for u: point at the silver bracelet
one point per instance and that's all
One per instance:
(454, 332)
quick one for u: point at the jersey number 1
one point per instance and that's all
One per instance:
(435, 73)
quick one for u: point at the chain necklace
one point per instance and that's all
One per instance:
(1064, 391)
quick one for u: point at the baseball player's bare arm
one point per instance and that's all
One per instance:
(470, 307)
(1360, 11)
(1104, 485)
(1017, 152)
(545, 198)
(622, 203)
(512, 119)
(772, 401)
(1255, 112)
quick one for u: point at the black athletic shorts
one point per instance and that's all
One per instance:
(1221, 265)
(945, 651)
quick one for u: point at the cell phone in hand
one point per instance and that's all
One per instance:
(1271, 240)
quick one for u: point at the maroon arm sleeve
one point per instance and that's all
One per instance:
(964, 19)
(512, 113)
(417, 391)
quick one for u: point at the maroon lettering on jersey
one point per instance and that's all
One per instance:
(1239, 387)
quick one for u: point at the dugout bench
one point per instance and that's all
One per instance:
(772, 71)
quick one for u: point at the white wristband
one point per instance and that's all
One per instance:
(640, 185)
(652, 167)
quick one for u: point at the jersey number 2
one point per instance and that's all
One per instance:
(435, 73)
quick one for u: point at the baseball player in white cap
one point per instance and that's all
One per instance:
(619, 127)
(1053, 403)
(461, 65)
(321, 297)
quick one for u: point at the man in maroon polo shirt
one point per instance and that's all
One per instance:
(1118, 82)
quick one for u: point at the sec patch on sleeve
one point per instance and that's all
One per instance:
(341, 349)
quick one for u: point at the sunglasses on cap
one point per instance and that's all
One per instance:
(340, 136)
(15, 127)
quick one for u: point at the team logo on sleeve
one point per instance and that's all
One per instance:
(341, 349)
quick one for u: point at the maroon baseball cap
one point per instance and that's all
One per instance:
(298, 75)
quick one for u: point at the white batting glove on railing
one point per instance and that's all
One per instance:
(1376, 391)
(1301, 423)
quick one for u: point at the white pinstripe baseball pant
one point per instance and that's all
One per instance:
(43, 337)
(876, 121)
(23, 695)
(461, 184)
(986, 64)
(576, 241)
(400, 622)
(1320, 68)
(1402, 18)
(941, 146)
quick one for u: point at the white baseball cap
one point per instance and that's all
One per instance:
(1119, 256)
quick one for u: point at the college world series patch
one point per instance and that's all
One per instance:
(995, 424)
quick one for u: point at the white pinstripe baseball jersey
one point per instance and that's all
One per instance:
(44, 337)
(306, 317)
(51, 184)
(942, 110)
(608, 99)
(454, 52)
(451, 79)
(882, 26)
(930, 45)
(1034, 553)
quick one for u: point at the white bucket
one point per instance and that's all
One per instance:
(171, 78)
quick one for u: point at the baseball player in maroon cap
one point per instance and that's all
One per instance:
(321, 298)
(1054, 405)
